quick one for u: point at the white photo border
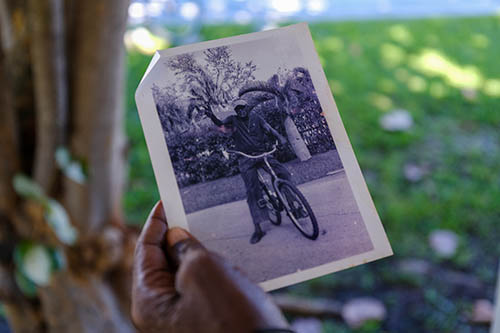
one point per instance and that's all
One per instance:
(165, 176)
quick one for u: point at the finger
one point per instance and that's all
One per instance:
(153, 282)
(153, 231)
(204, 279)
(180, 243)
(149, 248)
(196, 266)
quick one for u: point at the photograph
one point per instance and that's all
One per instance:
(256, 164)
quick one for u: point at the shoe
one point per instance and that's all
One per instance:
(257, 236)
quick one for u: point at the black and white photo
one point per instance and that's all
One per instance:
(250, 155)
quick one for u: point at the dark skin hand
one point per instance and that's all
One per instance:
(179, 286)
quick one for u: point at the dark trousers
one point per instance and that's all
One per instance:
(248, 169)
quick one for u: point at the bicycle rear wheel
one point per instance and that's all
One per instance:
(298, 210)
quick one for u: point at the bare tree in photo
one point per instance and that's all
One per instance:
(211, 84)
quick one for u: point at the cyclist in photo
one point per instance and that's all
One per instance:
(248, 131)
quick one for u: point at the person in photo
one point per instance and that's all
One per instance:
(249, 133)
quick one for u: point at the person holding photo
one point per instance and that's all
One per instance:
(248, 131)
(179, 286)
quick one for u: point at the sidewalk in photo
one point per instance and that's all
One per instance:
(226, 229)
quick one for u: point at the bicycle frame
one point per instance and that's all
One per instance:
(263, 156)
(274, 177)
(280, 200)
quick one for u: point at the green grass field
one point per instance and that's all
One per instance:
(446, 73)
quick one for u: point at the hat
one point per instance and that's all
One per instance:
(239, 102)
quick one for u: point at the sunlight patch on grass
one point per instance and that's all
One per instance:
(432, 39)
(400, 34)
(355, 49)
(492, 87)
(381, 102)
(392, 55)
(480, 41)
(434, 63)
(417, 84)
(437, 90)
(402, 74)
(333, 44)
(387, 86)
(144, 41)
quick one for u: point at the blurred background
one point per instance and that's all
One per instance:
(417, 84)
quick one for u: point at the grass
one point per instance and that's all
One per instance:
(224, 190)
(446, 73)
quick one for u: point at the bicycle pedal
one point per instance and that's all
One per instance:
(262, 203)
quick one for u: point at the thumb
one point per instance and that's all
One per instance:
(197, 270)
(180, 243)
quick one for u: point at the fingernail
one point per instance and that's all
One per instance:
(176, 235)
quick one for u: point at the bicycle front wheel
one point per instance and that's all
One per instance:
(272, 206)
(298, 210)
(273, 214)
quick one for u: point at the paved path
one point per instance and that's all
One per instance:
(226, 229)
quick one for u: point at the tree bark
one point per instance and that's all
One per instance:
(8, 137)
(61, 68)
(73, 304)
(98, 139)
(49, 77)
(298, 145)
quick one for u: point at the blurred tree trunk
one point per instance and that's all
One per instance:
(61, 85)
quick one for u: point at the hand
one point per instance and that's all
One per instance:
(178, 286)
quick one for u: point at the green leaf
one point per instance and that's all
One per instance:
(55, 214)
(58, 219)
(62, 157)
(27, 188)
(58, 259)
(70, 167)
(37, 264)
(74, 171)
(27, 287)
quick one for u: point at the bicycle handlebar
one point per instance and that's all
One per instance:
(255, 156)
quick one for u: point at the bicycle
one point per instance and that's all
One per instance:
(283, 195)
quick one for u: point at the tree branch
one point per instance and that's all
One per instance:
(8, 128)
(49, 74)
(97, 104)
